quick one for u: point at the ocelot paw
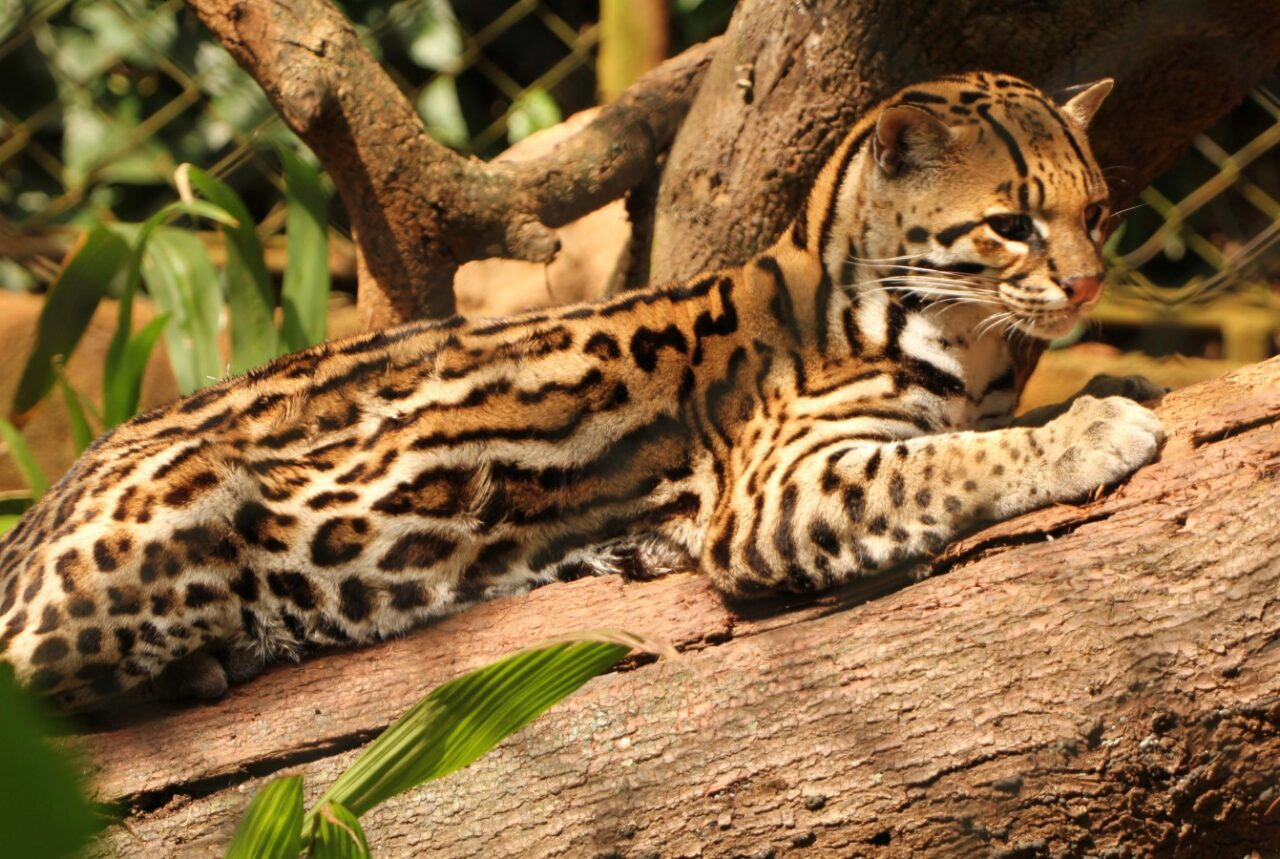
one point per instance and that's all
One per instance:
(207, 674)
(1137, 388)
(1099, 442)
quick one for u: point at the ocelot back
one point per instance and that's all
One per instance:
(839, 403)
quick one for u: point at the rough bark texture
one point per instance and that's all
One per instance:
(418, 210)
(790, 78)
(1093, 680)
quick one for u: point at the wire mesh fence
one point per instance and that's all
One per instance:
(106, 97)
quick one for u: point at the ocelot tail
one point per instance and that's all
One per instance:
(838, 404)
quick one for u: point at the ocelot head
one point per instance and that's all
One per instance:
(979, 191)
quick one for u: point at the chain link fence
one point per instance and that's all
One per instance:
(104, 98)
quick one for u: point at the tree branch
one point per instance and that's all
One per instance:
(417, 209)
(1082, 678)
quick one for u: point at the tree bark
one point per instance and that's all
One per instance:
(1093, 680)
(418, 210)
(789, 79)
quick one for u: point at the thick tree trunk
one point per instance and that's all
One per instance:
(789, 79)
(1094, 680)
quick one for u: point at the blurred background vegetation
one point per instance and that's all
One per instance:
(104, 99)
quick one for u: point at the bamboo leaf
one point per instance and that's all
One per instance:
(81, 433)
(337, 834)
(116, 409)
(123, 386)
(254, 339)
(184, 284)
(95, 261)
(305, 294)
(23, 458)
(44, 812)
(272, 826)
(466, 717)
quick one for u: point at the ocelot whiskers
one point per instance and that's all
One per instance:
(839, 403)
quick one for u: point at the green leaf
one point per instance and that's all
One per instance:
(249, 292)
(184, 285)
(441, 111)
(272, 826)
(336, 834)
(534, 110)
(95, 261)
(44, 812)
(466, 717)
(20, 453)
(430, 33)
(81, 433)
(123, 387)
(305, 295)
(116, 404)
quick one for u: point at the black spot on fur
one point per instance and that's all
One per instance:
(897, 489)
(294, 587)
(125, 639)
(51, 649)
(199, 595)
(418, 550)
(406, 596)
(873, 465)
(197, 484)
(254, 522)
(123, 600)
(353, 599)
(647, 343)
(824, 538)
(339, 541)
(89, 641)
(603, 346)
(80, 607)
(50, 619)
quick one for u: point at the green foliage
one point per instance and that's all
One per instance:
(337, 834)
(272, 827)
(534, 110)
(22, 457)
(128, 352)
(77, 411)
(184, 285)
(305, 295)
(85, 279)
(44, 812)
(451, 727)
(175, 267)
(250, 295)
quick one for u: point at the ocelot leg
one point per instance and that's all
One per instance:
(854, 507)
(1140, 389)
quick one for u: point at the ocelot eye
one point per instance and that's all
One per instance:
(1015, 228)
(1093, 216)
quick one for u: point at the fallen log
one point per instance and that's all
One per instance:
(1101, 680)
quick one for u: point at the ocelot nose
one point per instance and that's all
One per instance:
(1082, 290)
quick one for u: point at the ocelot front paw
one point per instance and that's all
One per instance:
(1098, 442)
(1137, 388)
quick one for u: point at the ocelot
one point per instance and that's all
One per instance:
(836, 405)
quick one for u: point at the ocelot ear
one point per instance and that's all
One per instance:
(908, 137)
(1081, 102)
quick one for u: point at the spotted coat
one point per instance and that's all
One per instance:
(837, 404)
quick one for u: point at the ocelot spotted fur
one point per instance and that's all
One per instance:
(838, 404)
